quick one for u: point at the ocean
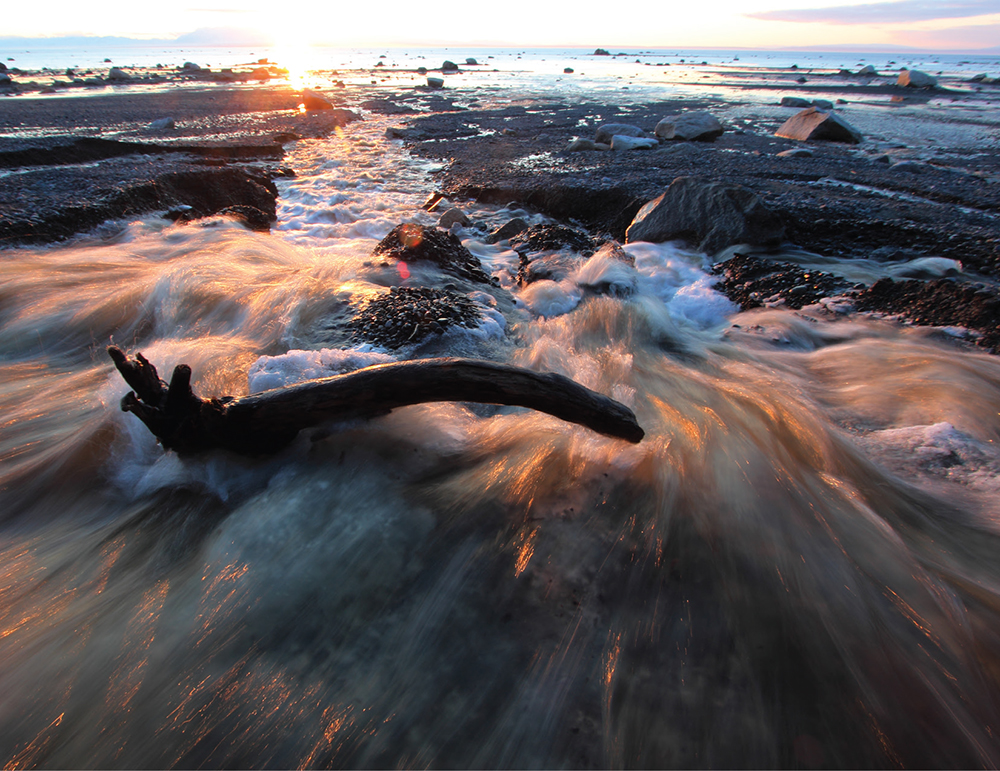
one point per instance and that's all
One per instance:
(795, 567)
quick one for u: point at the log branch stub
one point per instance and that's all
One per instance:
(264, 423)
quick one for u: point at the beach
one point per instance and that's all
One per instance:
(794, 566)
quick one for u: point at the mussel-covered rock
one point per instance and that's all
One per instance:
(411, 242)
(751, 282)
(408, 315)
(540, 238)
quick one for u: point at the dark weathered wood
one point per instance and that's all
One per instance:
(267, 421)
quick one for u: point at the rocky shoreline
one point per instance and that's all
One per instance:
(885, 201)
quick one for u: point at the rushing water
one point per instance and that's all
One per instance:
(797, 566)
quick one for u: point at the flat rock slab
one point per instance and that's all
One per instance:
(812, 124)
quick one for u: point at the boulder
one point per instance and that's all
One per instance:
(545, 238)
(581, 145)
(796, 152)
(822, 104)
(410, 242)
(619, 142)
(449, 67)
(695, 125)
(711, 215)
(190, 66)
(868, 70)
(795, 101)
(454, 216)
(602, 52)
(161, 124)
(261, 73)
(815, 124)
(979, 78)
(567, 70)
(118, 74)
(608, 130)
(471, 62)
(801, 80)
(421, 70)
(435, 82)
(5, 79)
(313, 101)
(916, 79)
(511, 229)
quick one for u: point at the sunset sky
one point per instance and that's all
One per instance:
(966, 25)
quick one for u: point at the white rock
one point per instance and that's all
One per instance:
(608, 130)
(621, 142)
(162, 123)
(916, 79)
(579, 145)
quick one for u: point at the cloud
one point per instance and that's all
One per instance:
(883, 13)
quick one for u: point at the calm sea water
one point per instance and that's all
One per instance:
(797, 566)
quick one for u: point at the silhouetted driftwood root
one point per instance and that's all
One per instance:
(266, 422)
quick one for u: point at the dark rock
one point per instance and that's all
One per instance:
(548, 267)
(822, 104)
(581, 145)
(796, 152)
(449, 66)
(471, 62)
(693, 125)
(815, 124)
(408, 315)
(261, 73)
(539, 238)
(940, 302)
(509, 230)
(568, 71)
(800, 80)
(867, 71)
(795, 101)
(251, 216)
(601, 52)
(609, 130)
(435, 82)
(187, 66)
(712, 215)
(410, 242)
(118, 75)
(422, 70)
(454, 216)
(751, 282)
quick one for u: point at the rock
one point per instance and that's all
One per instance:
(568, 71)
(261, 73)
(313, 101)
(796, 152)
(581, 145)
(601, 52)
(5, 79)
(433, 201)
(867, 70)
(3, 68)
(162, 124)
(695, 125)
(454, 216)
(801, 80)
(608, 130)
(543, 238)
(822, 104)
(410, 242)
(511, 229)
(814, 124)
(911, 166)
(250, 216)
(435, 82)
(795, 101)
(118, 74)
(449, 67)
(552, 266)
(619, 142)
(471, 62)
(751, 282)
(916, 79)
(712, 215)
(408, 315)
(190, 66)
(979, 78)
(421, 70)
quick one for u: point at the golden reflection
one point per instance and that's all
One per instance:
(139, 635)
(33, 753)
(525, 549)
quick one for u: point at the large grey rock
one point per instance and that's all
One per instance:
(868, 70)
(608, 130)
(452, 217)
(162, 124)
(449, 66)
(435, 82)
(581, 145)
(694, 125)
(118, 74)
(916, 79)
(822, 104)
(712, 215)
(795, 101)
(815, 124)
(622, 142)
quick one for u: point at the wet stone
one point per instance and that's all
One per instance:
(408, 315)
(410, 242)
(540, 238)
(752, 282)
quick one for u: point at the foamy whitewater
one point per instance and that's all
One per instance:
(796, 567)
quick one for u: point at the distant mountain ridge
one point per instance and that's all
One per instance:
(204, 37)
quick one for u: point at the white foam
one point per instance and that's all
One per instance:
(551, 298)
(270, 372)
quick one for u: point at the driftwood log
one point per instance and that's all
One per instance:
(266, 422)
